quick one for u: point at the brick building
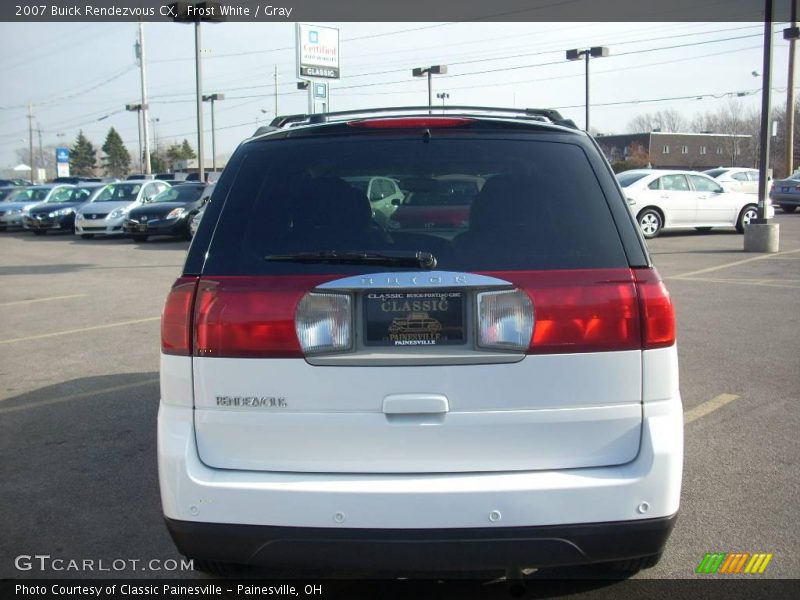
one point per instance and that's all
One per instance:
(695, 151)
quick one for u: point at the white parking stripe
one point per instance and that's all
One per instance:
(42, 336)
(701, 410)
(43, 299)
(108, 390)
(732, 264)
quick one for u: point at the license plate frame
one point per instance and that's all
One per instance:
(414, 319)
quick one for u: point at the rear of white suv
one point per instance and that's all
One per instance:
(334, 394)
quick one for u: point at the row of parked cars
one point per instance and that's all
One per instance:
(725, 197)
(139, 208)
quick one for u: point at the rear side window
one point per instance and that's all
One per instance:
(475, 204)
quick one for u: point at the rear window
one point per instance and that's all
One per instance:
(475, 204)
(626, 179)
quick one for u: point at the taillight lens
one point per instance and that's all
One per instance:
(656, 308)
(323, 322)
(505, 320)
(176, 320)
(250, 317)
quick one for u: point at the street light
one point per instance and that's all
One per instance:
(594, 52)
(442, 96)
(203, 11)
(429, 71)
(213, 98)
(137, 108)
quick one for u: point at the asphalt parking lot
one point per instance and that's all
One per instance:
(79, 347)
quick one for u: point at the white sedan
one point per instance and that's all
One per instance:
(661, 199)
(736, 179)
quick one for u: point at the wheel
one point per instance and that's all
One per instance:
(787, 208)
(216, 568)
(87, 236)
(634, 565)
(139, 238)
(39, 232)
(748, 213)
(650, 222)
(703, 228)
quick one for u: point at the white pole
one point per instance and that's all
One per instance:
(145, 128)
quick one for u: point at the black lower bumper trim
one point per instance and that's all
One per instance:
(422, 549)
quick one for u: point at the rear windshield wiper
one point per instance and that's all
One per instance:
(424, 260)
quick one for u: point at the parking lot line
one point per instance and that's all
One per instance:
(108, 390)
(701, 410)
(81, 330)
(733, 264)
(43, 299)
(789, 283)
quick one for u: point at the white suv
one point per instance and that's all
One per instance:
(499, 396)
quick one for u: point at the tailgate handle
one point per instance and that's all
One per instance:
(415, 404)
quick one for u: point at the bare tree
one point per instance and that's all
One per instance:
(664, 120)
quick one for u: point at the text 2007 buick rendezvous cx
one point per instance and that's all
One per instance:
(310, 416)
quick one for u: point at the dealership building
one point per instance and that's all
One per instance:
(666, 150)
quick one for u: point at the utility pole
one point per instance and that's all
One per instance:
(140, 54)
(198, 66)
(30, 140)
(41, 151)
(791, 34)
(275, 78)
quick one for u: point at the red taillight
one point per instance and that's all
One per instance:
(250, 317)
(176, 320)
(655, 306)
(412, 122)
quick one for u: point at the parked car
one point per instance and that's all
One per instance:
(75, 180)
(5, 191)
(105, 214)
(195, 222)
(169, 213)
(18, 203)
(210, 176)
(532, 418)
(139, 176)
(383, 192)
(57, 213)
(9, 182)
(735, 179)
(664, 199)
(786, 193)
(442, 203)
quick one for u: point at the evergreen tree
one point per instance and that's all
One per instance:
(158, 163)
(187, 151)
(117, 159)
(82, 157)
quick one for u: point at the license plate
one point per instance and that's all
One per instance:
(784, 189)
(412, 319)
(142, 227)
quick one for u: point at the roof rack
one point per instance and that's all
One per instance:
(534, 114)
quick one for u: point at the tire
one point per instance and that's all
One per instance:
(748, 213)
(634, 565)
(87, 236)
(703, 228)
(788, 209)
(650, 222)
(139, 238)
(39, 232)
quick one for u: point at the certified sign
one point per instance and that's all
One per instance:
(62, 162)
(317, 52)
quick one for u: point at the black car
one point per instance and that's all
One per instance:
(75, 180)
(169, 213)
(58, 213)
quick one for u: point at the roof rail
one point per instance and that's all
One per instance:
(535, 114)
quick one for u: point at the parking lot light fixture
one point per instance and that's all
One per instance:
(593, 52)
(213, 98)
(429, 72)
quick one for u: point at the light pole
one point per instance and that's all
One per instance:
(213, 98)
(137, 108)
(792, 34)
(140, 56)
(442, 96)
(593, 52)
(430, 72)
(204, 11)
(305, 85)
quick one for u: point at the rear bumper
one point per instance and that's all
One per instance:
(788, 200)
(422, 549)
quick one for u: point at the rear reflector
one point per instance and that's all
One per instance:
(412, 122)
(657, 311)
(176, 320)
(323, 323)
(505, 320)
